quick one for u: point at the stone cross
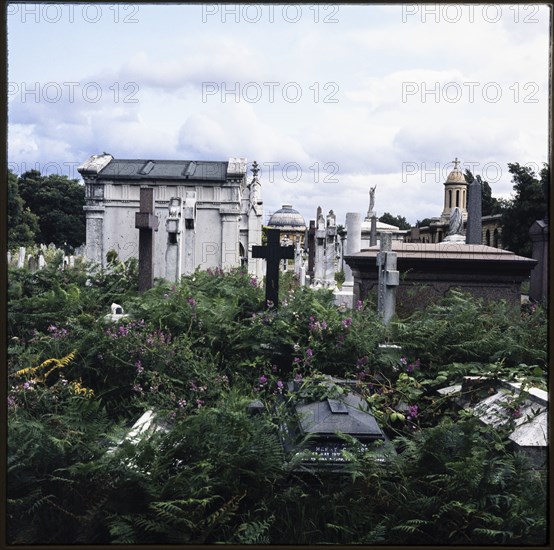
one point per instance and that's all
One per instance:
(474, 228)
(389, 279)
(273, 253)
(146, 222)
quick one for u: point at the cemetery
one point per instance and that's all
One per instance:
(191, 377)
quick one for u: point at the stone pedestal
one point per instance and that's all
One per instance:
(345, 296)
(21, 258)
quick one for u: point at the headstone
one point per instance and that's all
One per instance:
(9, 257)
(273, 253)
(474, 212)
(389, 279)
(32, 263)
(538, 286)
(299, 264)
(21, 258)
(146, 222)
(71, 261)
(41, 261)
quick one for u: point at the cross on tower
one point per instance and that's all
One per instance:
(146, 222)
(456, 162)
(273, 253)
(255, 169)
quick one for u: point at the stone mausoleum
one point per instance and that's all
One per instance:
(209, 215)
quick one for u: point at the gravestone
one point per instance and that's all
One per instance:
(474, 212)
(331, 252)
(32, 263)
(41, 261)
(9, 257)
(273, 253)
(146, 222)
(21, 258)
(299, 264)
(389, 279)
(71, 261)
(319, 257)
(325, 421)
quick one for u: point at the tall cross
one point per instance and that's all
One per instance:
(255, 169)
(146, 222)
(273, 253)
(456, 162)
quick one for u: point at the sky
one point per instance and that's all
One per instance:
(330, 100)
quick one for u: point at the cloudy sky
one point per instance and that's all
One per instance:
(330, 100)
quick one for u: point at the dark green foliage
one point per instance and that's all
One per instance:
(464, 330)
(398, 221)
(197, 353)
(489, 205)
(57, 202)
(529, 203)
(22, 223)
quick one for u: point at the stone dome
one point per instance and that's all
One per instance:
(287, 217)
(456, 176)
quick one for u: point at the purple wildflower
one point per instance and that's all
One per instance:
(309, 352)
(403, 360)
(262, 380)
(359, 305)
(199, 403)
(414, 410)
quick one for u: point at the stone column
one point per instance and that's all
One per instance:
(173, 226)
(94, 251)
(229, 239)
(189, 232)
(319, 258)
(373, 231)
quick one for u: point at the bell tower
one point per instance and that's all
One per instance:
(455, 193)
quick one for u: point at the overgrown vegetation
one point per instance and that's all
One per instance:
(198, 353)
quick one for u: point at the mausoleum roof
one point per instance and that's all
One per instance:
(287, 217)
(144, 169)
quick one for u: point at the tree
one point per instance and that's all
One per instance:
(58, 203)
(490, 205)
(22, 223)
(398, 221)
(530, 203)
(425, 222)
